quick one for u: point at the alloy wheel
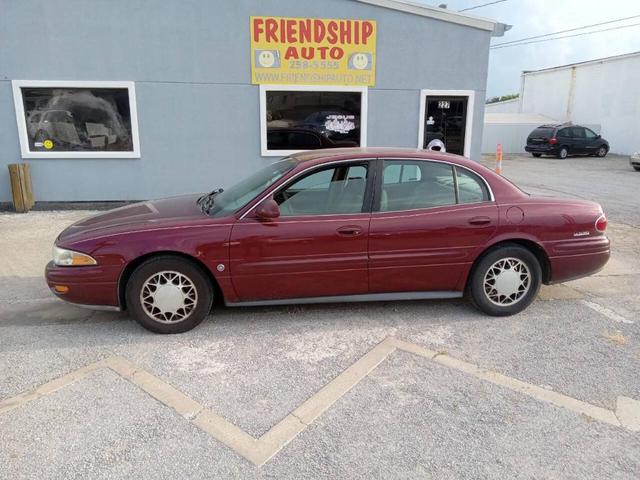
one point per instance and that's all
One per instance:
(507, 281)
(168, 296)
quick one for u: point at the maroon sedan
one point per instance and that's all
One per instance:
(331, 226)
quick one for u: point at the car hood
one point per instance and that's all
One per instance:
(137, 216)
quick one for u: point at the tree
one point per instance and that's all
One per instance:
(503, 98)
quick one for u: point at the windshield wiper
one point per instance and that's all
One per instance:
(206, 200)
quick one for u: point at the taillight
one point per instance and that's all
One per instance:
(601, 223)
(553, 140)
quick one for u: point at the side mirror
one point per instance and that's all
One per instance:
(598, 136)
(268, 210)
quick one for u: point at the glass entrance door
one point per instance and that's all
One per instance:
(444, 123)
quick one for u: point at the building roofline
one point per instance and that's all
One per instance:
(584, 63)
(436, 13)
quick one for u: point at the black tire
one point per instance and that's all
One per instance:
(537, 155)
(563, 153)
(637, 169)
(511, 251)
(602, 151)
(200, 301)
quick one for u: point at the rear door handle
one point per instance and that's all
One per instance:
(350, 231)
(479, 220)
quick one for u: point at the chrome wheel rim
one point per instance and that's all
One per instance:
(602, 152)
(563, 153)
(507, 281)
(168, 297)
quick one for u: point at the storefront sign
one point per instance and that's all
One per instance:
(312, 51)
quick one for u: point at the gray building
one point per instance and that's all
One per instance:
(121, 100)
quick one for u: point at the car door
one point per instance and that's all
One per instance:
(429, 220)
(317, 247)
(592, 141)
(579, 141)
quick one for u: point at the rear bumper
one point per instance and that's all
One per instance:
(548, 149)
(578, 259)
(91, 286)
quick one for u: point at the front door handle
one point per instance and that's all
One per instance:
(479, 221)
(349, 231)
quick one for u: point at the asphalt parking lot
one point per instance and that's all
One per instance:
(383, 390)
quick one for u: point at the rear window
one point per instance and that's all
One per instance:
(542, 132)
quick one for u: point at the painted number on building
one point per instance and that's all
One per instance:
(312, 51)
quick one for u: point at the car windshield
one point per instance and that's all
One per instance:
(237, 196)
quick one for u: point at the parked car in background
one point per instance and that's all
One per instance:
(334, 225)
(565, 139)
(302, 139)
(634, 161)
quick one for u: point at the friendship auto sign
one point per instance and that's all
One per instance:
(312, 51)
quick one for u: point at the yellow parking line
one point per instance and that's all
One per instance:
(260, 450)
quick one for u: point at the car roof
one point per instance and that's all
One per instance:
(332, 154)
(558, 125)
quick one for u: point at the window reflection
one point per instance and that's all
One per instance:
(298, 120)
(78, 119)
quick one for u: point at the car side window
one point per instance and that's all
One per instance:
(577, 132)
(590, 134)
(401, 173)
(336, 190)
(471, 189)
(564, 133)
(425, 185)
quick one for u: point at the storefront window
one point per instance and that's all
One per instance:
(295, 119)
(66, 120)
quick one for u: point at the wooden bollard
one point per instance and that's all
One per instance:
(21, 187)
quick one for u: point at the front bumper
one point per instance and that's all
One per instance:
(92, 286)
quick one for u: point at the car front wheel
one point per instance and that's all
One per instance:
(505, 281)
(602, 151)
(169, 295)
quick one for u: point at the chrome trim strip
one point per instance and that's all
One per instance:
(364, 297)
(456, 165)
(368, 159)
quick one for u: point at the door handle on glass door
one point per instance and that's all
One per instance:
(350, 230)
(479, 220)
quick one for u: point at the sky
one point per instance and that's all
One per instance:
(537, 17)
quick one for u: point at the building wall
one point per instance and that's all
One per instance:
(604, 93)
(198, 114)
(508, 106)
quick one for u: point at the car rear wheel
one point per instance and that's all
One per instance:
(505, 280)
(537, 155)
(169, 295)
(602, 151)
(563, 153)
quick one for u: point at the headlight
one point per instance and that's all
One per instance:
(69, 258)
